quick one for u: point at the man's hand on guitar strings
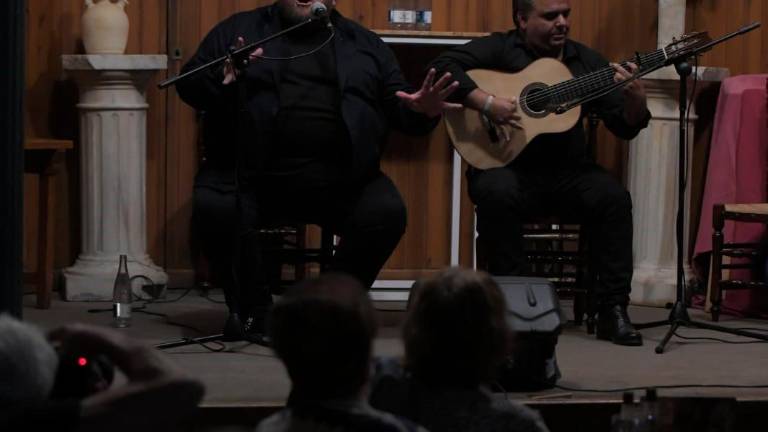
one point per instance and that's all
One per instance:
(503, 113)
(635, 103)
(430, 99)
(231, 72)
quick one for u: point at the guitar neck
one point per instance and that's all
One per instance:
(595, 82)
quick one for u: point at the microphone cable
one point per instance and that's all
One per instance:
(309, 53)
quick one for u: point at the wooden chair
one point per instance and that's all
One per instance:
(286, 247)
(288, 255)
(556, 249)
(40, 158)
(743, 255)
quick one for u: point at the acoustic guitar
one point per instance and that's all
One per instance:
(549, 101)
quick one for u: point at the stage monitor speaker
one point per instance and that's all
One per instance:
(533, 312)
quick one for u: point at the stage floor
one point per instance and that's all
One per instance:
(249, 377)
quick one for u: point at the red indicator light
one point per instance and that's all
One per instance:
(82, 361)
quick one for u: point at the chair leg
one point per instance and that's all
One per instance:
(579, 303)
(716, 295)
(591, 312)
(46, 243)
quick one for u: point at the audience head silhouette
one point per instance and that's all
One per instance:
(455, 331)
(28, 363)
(322, 329)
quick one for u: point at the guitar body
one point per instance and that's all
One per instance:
(469, 134)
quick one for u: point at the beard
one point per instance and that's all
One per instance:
(290, 13)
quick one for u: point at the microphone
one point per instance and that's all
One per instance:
(318, 10)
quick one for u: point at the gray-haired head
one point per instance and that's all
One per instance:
(28, 363)
(521, 7)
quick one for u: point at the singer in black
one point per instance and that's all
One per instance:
(553, 175)
(300, 141)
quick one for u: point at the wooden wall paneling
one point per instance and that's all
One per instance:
(421, 169)
(190, 21)
(370, 14)
(764, 31)
(364, 12)
(439, 190)
(498, 16)
(441, 15)
(466, 224)
(187, 26)
(148, 35)
(50, 113)
(742, 55)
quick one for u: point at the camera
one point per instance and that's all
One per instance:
(79, 376)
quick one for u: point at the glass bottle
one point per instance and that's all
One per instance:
(402, 14)
(396, 15)
(410, 14)
(424, 15)
(122, 295)
(627, 419)
(650, 412)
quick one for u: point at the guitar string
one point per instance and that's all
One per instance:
(574, 88)
(593, 79)
(577, 86)
(588, 82)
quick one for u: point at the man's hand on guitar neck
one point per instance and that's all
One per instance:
(635, 105)
(499, 110)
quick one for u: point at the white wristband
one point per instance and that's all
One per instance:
(487, 105)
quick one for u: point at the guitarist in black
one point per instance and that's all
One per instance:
(554, 174)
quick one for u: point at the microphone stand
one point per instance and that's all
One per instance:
(679, 314)
(238, 57)
(234, 54)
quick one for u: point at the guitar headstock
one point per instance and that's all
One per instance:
(686, 44)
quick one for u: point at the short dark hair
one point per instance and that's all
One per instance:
(323, 329)
(522, 7)
(455, 332)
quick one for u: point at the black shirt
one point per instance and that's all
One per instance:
(312, 142)
(508, 52)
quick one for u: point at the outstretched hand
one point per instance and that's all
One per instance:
(430, 99)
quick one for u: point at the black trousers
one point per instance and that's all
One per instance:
(368, 217)
(507, 197)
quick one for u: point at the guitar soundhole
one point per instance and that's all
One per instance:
(535, 100)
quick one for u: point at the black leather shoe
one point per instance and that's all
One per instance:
(613, 324)
(252, 330)
(233, 328)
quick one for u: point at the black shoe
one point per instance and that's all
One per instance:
(613, 324)
(251, 331)
(254, 331)
(233, 329)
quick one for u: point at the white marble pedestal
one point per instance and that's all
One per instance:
(112, 171)
(652, 181)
